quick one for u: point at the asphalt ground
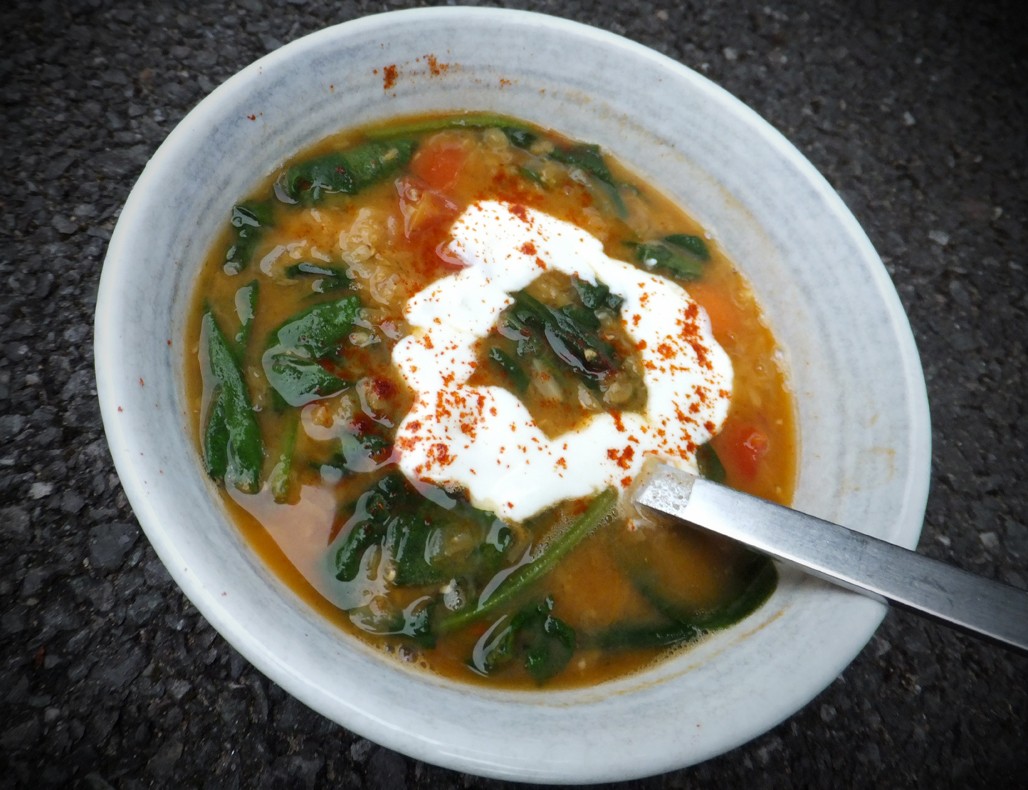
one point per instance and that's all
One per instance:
(915, 112)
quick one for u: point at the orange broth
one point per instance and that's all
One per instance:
(607, 608)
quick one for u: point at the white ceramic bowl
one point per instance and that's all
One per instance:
(863, 415)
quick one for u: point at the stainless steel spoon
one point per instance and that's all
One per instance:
(850, 559)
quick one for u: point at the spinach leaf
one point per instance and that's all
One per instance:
(709, 463)
(503, 361)
(233, 448)
(588, 158)
(684, 626)
(359, 453)
(598, 296)
(519, 136)
(249, 221)
(526, 575)
(347, 172)
(514, 129)
(682, 255)
(571, 334)
(383, 617)
(295, 351)
(419, 541)
(323, 278)
(544, 642)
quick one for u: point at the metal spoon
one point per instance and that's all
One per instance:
(850, 559)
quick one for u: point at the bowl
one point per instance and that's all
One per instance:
(862, 409)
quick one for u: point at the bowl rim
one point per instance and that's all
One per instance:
(867, 614)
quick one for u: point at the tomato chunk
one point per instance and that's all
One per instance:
(742, 448)
(438, 163)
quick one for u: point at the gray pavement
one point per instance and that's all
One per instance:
(917, 114)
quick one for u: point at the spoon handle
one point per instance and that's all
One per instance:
(842, 556)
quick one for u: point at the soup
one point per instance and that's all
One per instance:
(427, 362)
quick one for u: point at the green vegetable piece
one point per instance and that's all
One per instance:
(682, 255)
(324, 278)
(709, 463)
(246, 309)
(520, 137)
(642, 637)
(347, 172)
(588, 157)
(545, 642)
(688, 626)
(571, 335)
(295, 351)
(358, 454)
(281, 477)
(249, 221)
(467, 121)
(350, 554)
(215, 441)
(383, 617)
(526, 575)
(517, 376)
(234, 451)
(406, 541)
(694, 244)
(598, 296)
(532, 175)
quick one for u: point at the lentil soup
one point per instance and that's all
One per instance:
(426, 361)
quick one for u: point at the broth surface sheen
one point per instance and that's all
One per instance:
(307, 336)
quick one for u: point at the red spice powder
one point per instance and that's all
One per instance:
(520, 212)
(435, 67)
(623, 458)
(384, 388)
(440, 454)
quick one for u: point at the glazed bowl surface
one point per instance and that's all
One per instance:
(861, 406)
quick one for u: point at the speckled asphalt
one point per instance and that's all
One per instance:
(917, 114)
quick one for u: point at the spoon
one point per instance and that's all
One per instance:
(850, 559)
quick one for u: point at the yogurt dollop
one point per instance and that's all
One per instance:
(483, 438)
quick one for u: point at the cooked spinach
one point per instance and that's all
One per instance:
(526, 575)
(298, 355)
(323, 278)
(709, 463)
(680, 254)
(588, 158)
(249, 221)
(233, 448)
(347, 172)
(544, 643)
(682, 625)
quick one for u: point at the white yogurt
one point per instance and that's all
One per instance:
(483, 439)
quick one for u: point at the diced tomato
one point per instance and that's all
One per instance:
(423, 209)
(439, 161)
(741, 449)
